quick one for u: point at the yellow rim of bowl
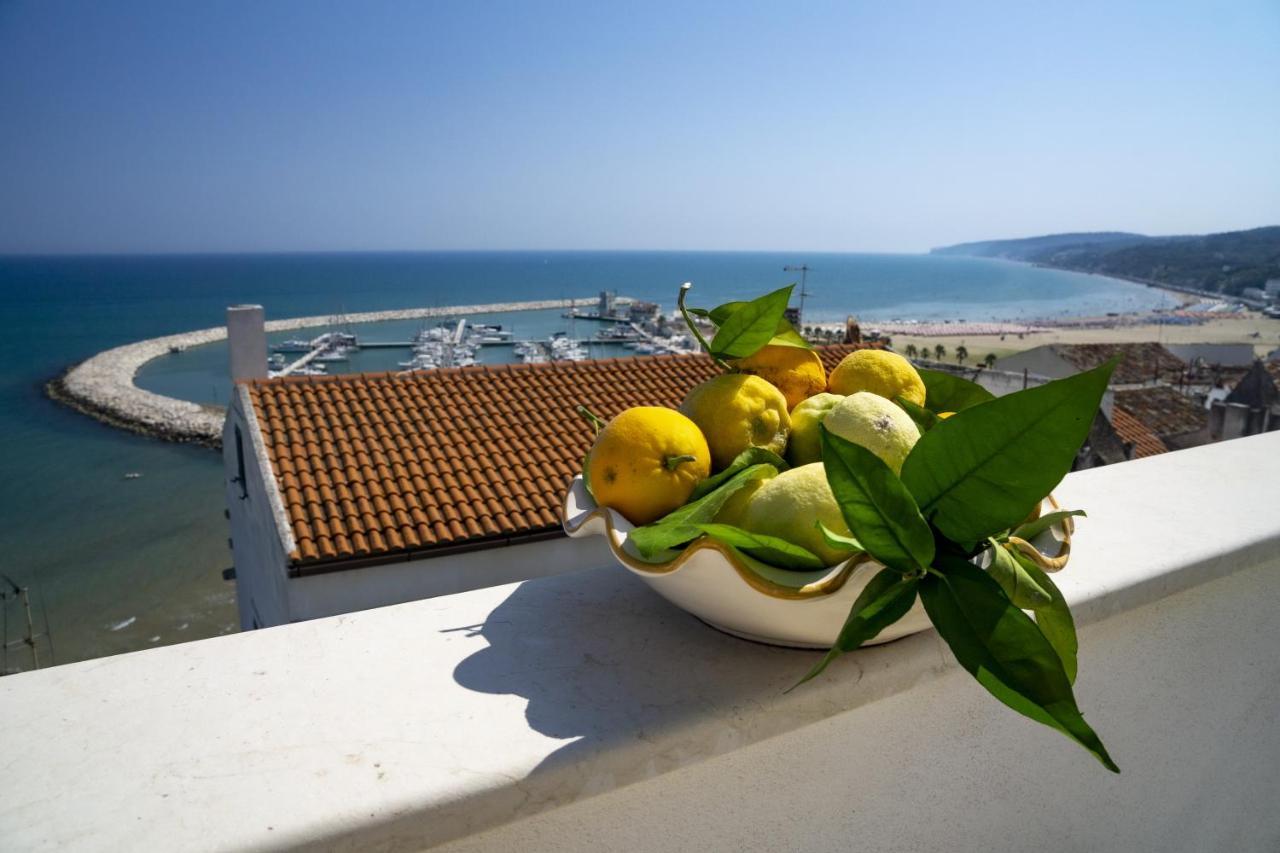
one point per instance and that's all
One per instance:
(827, 585)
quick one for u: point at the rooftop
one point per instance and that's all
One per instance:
(1135, 432)
(1162, 410)
(1140, 362)
(373, 465)
(1257, 388)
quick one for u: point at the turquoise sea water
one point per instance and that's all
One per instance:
(117, 565)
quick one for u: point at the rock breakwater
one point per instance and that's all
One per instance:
(102, 386)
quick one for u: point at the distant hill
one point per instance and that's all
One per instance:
(1024, 248)
(1219, 263)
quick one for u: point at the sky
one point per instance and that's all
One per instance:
(177, 126)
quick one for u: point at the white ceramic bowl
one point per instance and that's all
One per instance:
(758, 602)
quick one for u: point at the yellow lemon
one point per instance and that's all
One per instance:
(880, 372)
(805, 445)
(646, 461)
(798, 373)
(787, 507)
(880, 426)
(731, 512)
(736, 411)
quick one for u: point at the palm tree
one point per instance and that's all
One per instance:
(939, 352)
(912, 352)
(962, 352)
(989, 360)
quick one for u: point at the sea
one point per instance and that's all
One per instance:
(114, 563)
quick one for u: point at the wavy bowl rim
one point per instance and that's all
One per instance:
(829, 584)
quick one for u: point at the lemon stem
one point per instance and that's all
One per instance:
(684, 289)
(590, 416)
(674, 461)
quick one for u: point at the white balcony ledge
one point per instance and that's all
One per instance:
(581, 712)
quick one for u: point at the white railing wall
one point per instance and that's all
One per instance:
(581, 712)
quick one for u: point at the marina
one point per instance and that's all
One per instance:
(102, 386)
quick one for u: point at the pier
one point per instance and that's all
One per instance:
(102, 385)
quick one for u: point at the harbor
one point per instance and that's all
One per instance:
(103, 385)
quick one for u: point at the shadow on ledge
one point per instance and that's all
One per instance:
(606, 662)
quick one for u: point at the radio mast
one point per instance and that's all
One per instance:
(803, 269)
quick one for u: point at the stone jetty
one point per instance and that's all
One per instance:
(102, 386)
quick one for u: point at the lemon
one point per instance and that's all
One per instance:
(788, 505)
(731, 512)
(880, 426)
(798, 373)
(805, 445)
(736, 411)
(880, 372)
(646, 461)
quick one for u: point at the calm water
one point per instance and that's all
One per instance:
(117, 565)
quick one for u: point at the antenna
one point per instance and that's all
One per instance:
(803, 269)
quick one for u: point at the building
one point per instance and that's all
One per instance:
(1253, 406)
(1272, 289)
(1174, 418)
(1200, 356)
(1141, 363)
(355, 491)
(608, 303)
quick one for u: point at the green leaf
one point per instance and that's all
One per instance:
(1004, 650)
(586, 473)
(681, 525)
(787, 336)
(876, 505)
(1032, 529)
(770, 549)
(884, 600)
(745, 459)
(1021, 588)
(946, 392)
(979, 473)
(1054, 618)
(838, 540)
(925, 419)
(751, 325)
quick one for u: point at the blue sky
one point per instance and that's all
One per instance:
(183, 126)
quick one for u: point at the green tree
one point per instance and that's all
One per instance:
(989, 360)
(962, 352)
(939, 352)
(912, 352)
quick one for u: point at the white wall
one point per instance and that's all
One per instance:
(583, 712)
(392, 583)
(1184, 692)
(257, 549)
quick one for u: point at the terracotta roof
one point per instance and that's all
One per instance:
(1135, 432)
(376, 464)
(1140, 362)
(1162, 410)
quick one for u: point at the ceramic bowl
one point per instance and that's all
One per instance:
(761, 603)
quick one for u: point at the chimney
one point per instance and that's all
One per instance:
(247, 342)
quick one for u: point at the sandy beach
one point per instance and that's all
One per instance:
(1002, 339)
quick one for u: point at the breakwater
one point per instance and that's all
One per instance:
(103, 388)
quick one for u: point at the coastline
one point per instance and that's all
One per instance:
(102, 385)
